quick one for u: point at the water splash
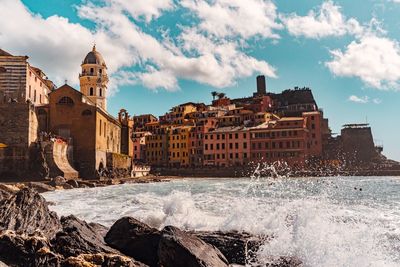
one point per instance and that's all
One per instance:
(321, 221)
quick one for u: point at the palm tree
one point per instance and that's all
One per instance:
(214, 94)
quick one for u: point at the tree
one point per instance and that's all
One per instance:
(214, 94)
(221, 95)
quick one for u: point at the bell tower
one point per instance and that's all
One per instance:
(93, 78)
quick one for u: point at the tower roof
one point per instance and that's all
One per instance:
(94, 57)
(4, 53)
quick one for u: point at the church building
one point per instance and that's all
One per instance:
(81, 117)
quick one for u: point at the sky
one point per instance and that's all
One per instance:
(161, 53)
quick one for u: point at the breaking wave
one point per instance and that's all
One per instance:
(340, 221)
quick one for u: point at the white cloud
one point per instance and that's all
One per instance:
(364, 100)
(230, 18)
(360, 100)
(327, 21)
(373, 59)
(58, 46)
(148, 9)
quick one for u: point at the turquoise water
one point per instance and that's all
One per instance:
(339, 221)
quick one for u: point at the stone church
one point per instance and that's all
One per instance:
(95, 144)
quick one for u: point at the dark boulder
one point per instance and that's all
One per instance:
(26, 250)
(73, 183)
(101, 259)
(79, 237)
(180, 249)
(135, 239)
(27, 212)
(237, 247)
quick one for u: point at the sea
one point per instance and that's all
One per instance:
(323, 221)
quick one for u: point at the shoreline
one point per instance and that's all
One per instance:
(60, 183)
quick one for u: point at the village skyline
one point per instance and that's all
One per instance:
(327, 36)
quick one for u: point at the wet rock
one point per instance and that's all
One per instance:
(26, 250)
(40, 187)
(99, 229)
(236, 247)
(57, 181)
(86, 184)
(135, 239)
(79, 237)
(180, 249)
(27, 212)
(73, 183)
(67, 186)
(101, 259)
(282, 262)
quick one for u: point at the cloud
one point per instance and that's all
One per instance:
(232, 18)
(364, 100)
(217, 64)
(327, 21)
(360, 100)
(58, 46)
(373, 59)
(147, 10)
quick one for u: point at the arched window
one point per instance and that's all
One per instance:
(87, 112)
(100, 71)
(65, 100)
(101, 92)
(91, 70)
(91, 91)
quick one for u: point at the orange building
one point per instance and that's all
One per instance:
(227, 146)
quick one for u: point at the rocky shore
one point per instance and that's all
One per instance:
(31, 235)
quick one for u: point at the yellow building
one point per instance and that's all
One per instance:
(178, 148)
(94, 79)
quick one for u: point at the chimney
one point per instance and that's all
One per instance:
(261, 85)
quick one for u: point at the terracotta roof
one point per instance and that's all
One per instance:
(4, 53)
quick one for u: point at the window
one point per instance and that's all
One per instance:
(34, 96)
(91, 70)
(91, 91)
(101, 92)
(65, 100)
(245, 145)
(100, 126)
(30, 89)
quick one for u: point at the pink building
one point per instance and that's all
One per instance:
(139, 146)
(227, 146)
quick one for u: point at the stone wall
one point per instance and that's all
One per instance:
(19, 131)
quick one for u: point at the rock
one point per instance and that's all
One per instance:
(236, 247)
(26, 250)
(2, 264)
(27, 212)
(67, 186)
(283, 262)
(135, 239)
(57, 181)
(180, 249)
(11, 189)
(79, 237)
(73, 183)
(40, 187)
(101, 259)
(4, 194)
(86, 184)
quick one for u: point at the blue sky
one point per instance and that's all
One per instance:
(165, 52)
